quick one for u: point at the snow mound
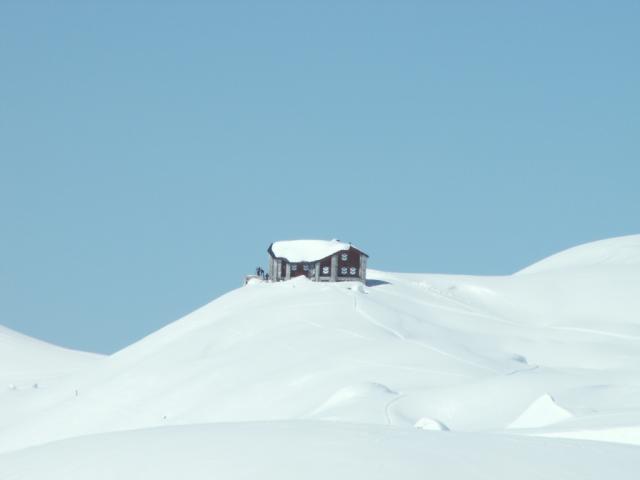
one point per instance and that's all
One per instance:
(361, 403)
(353, 392)
(542, 412)
(619, 251)
(426, 423)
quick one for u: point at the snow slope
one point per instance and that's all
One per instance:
(29, 367)
(613, 252)
(552, 351)
(25, 358)
(316, 450)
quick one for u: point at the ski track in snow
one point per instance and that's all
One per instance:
(388, 407)
(400, 336)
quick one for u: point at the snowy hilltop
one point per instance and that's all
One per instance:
(409, 375)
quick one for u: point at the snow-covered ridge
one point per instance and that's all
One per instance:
(619, 251)
(22, 356)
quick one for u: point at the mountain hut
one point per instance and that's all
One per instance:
(318, 260)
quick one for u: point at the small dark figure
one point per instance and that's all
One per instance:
(266, 276)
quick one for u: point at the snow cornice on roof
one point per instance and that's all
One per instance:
(307, 250)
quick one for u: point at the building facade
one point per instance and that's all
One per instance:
(318, 260)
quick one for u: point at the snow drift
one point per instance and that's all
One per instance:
(316, 450)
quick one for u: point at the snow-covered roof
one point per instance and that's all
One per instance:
(307, 250)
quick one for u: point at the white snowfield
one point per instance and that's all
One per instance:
(291, 450)
(410, 376)
(22, 356)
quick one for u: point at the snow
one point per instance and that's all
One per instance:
(317, 450)
(28, 359)
(630, 435)
(430, 424)
(621, 251)
(307, 250)
(28, 367)
(343, 379)
(542, 412)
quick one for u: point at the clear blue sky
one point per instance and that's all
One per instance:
(151, 151)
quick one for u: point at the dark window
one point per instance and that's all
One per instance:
(305, 267)
(353, 271)
(294, 267)
(325, 270)
(343, 270)
(344, 257)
